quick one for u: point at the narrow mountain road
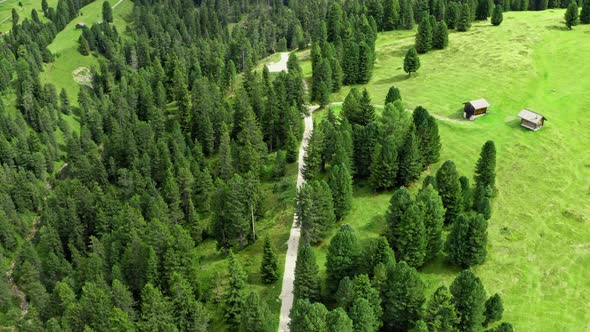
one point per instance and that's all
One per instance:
(118, 3)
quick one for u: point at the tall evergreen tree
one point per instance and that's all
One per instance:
(342, 257)
(449, 188)
(424, 35)
(384, 165)
(464, 18)
(315, 210)
(466, 244)
(307, 279)
(255, 316)
(483, 10)
(308, 317)
(338, 321)
(406, 233)
(494, 309)
(411, 61)
(341, 186)
(571, 15)
(440, 36)
(83, 46)
(362, 316)
(235, 296)
(107, 12)
(410, 158)
(269, 268)
(427, 135)
(485, 169)
(497, 16)
(585, 14)
(440, 312)
(434, 217)
(469, 297)
(365, 63)
(393, 94)
(403, 297)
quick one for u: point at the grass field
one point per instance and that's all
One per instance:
(6, 7)
(539, 235)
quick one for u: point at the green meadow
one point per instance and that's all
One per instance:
(23, 12)
(539, 234)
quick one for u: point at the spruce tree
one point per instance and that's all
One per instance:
(389, 15)
(571, 15)
(365, 63)
(440, 314)
(308, 317)
(410, 159)
(466, 244)
(269, 268)
(365, 290)
(351, 106)
(107, 12)
(307, 278)
(497, 16)
(350, 62)
(392, 95)
(469, 297)
(585, 14)
(466, 192)
(315, 210)
(363, 317)
(342, 257)
(464, 18)
(255, 316)
(384, 165)
(235, 294)
(406, 232)
(83, 47)
(338, 321)
(485, 169)
(427, 135)
(494, 309)
(411, 61)
(424, 35)
(449, 188)
(403, 297)
(366, 113)
(434, 218)
(345, 293)
(341, 185)
(440, 37)
(483, 10)
(291, 146)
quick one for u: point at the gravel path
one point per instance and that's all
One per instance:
(119, 2)
(293, 243)
(276, 67)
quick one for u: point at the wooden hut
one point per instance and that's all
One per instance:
(475, 108)
(80, 25)
(531, 120)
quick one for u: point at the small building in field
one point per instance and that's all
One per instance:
(531, 120)
(475, 108)
(80, 25)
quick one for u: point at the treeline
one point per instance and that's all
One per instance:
(369, 291)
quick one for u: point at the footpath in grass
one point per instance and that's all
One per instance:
(23, 12)
(539, 257)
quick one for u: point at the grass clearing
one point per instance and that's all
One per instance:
(6, 7)
(539, 257)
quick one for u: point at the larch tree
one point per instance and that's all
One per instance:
(497, 16)
(434, 218)
(269, 268)
(342, 257)
(468, 297)
(449, 188)
(571, 15)
(403, 298)
(340, 183)
(440, 314)
(424, 35)
(307, 284)
(494, 309)
(411, 61)
(406, 232)
(466, 244)
(440, 36)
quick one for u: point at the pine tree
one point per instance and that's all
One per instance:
(341, 185)
(83, 47)
(107, 12)
(466, 244)
(585, 14)
(434, 217)
(269, 268)
(342, 257)
(362, 316)
(485, 169)
(338, 321)
(469, 297)
(403, 297)
(410, 159)
(497, 16)
(235, 294)
(464, 18)
(255, 316)
(494, 309)
(424, 35)
(384, 165)
(440, 37)
(571, 15)
(449, 188)
(307, 278)
(392, 95)
(440, 312)
(411, 61)
(406, 233)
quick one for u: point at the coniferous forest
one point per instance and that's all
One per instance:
(181, 138)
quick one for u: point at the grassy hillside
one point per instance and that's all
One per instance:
(6, 7)
(539, 258)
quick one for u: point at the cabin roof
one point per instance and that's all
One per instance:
(81, 24)
(479, 103)
(530, 115)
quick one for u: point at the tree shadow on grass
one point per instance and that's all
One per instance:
(556, 27)
(394, 79)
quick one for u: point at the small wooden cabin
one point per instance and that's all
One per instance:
(531, 120)
(80, 25)
(475, 108)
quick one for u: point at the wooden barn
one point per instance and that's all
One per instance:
(80, 25)
(531, 120)
(475, 108)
